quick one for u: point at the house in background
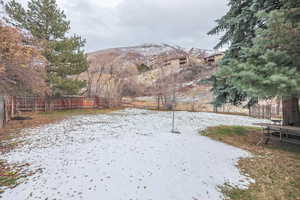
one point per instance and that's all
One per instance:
(177, 61)
(214, 58)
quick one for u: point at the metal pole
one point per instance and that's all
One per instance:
(173, 122)
(173, 105)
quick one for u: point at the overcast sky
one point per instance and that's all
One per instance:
(117, 23)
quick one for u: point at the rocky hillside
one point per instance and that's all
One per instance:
(150, 69)
(149, 54)
(152, 55)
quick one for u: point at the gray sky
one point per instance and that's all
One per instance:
(116, 23)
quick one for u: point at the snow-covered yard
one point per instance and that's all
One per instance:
(128, 155)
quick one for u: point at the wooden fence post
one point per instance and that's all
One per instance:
(34, 104)
(12, 108)
(2, 112)
(45, 104)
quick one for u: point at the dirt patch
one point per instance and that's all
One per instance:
(275, 167)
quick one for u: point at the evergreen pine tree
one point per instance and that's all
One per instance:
(263, 57)
(239, 25)
(48, 23)
(271, 67)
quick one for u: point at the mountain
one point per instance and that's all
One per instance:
(149, 54)
(149, 70)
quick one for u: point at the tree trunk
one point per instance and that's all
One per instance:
(290, 110)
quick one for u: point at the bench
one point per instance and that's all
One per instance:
(289, 134)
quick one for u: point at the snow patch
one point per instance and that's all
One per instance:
(129, 154)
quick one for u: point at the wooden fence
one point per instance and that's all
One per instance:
(266, 111)
(11, 106)
(45, 104)
(1, 111)
(6, 110)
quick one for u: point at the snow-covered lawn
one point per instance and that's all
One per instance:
(128, 155)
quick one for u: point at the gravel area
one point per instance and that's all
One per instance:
(128, 155)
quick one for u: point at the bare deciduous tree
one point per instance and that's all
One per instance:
(164, 87)
(21, 63)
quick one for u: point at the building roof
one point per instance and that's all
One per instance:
(214, 55)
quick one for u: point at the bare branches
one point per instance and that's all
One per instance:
(21, 64)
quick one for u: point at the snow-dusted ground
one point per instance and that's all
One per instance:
(128, 155)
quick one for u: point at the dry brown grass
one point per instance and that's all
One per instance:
(275, 167)
(9, 175)
(181, 106)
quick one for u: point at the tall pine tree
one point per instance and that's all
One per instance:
(271, 67)
(48, 23)
(238, 28)
(256, 63)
